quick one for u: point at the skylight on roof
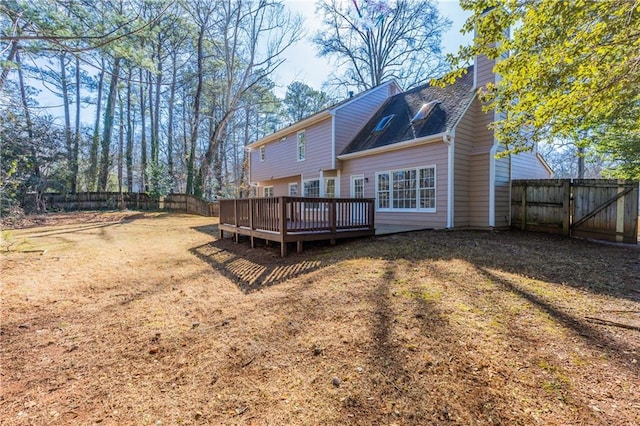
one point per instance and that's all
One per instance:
(383, 123)
(424, 111)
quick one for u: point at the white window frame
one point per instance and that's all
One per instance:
(304, 187)
(267, 189)
(297, 191)
(417, 189)
(335, 187)
(352, 191)
(301, 146)
(263, 153)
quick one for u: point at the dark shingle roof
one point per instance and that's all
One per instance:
(453, 100)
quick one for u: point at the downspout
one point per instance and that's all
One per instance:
(449, 139)
(333, 140)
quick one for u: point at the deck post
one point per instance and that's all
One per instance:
(235, 219)
(251, 210)
(332, 221)
(283, 225)
(372, 212)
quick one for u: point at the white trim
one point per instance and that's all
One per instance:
(304, 145)
(475, 72)
(352, 186)
(335, 186)
(338, 183)
(451, 180)
(310, 180)
(367, 92)
(417, 209)
(291, 129)
(438, 137)
(297, 190)
(333, 140)
(320, 116)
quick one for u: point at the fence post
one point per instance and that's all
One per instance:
(332, 220)
(566, 208)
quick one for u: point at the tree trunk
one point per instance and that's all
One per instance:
(170, 124)
(34, 157)
(196, 114)
(64, 85)
(129, 154)
(13, 52)
(108, 126)
(143, 138)
(120, 150)
(92, 173)
(156, 122)
(76, 138)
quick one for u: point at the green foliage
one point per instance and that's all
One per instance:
(159, 178)
(301, 101)
(568, 67)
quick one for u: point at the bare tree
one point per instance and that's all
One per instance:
(381, 40)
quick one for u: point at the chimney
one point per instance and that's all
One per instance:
(483, 67)
(351, 93)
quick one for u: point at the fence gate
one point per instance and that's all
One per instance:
(603, 209)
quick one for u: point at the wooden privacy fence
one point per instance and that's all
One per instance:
(297, 219)
(605, 209)
(130, 200)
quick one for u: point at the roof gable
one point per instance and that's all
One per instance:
(320, 115)
(443, 106)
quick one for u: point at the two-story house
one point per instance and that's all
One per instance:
(426, 155)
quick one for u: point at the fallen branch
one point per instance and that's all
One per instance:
(612, 323)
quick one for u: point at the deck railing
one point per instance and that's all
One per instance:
(298, 214)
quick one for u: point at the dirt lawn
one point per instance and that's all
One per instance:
(147, 318)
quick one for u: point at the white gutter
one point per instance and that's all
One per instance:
(292, 129)
(333, 140)
(438, 137)
(450, 177)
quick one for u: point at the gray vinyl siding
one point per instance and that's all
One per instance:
(280, 186)
(526, 165)
(503, 192)
(479, 167)
(425, 155)
(352, 117)
(463, 146)
(281, 155)
(484, 70)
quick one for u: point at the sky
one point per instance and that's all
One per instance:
(302, 64)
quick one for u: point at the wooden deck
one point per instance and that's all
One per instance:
(297, 219)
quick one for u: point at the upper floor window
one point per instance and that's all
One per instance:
(263, 152)
(301, 146)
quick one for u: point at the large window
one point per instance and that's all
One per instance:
(301, 146)
(407, 190)
(312, 188)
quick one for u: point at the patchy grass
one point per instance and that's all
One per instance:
(130, 318)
